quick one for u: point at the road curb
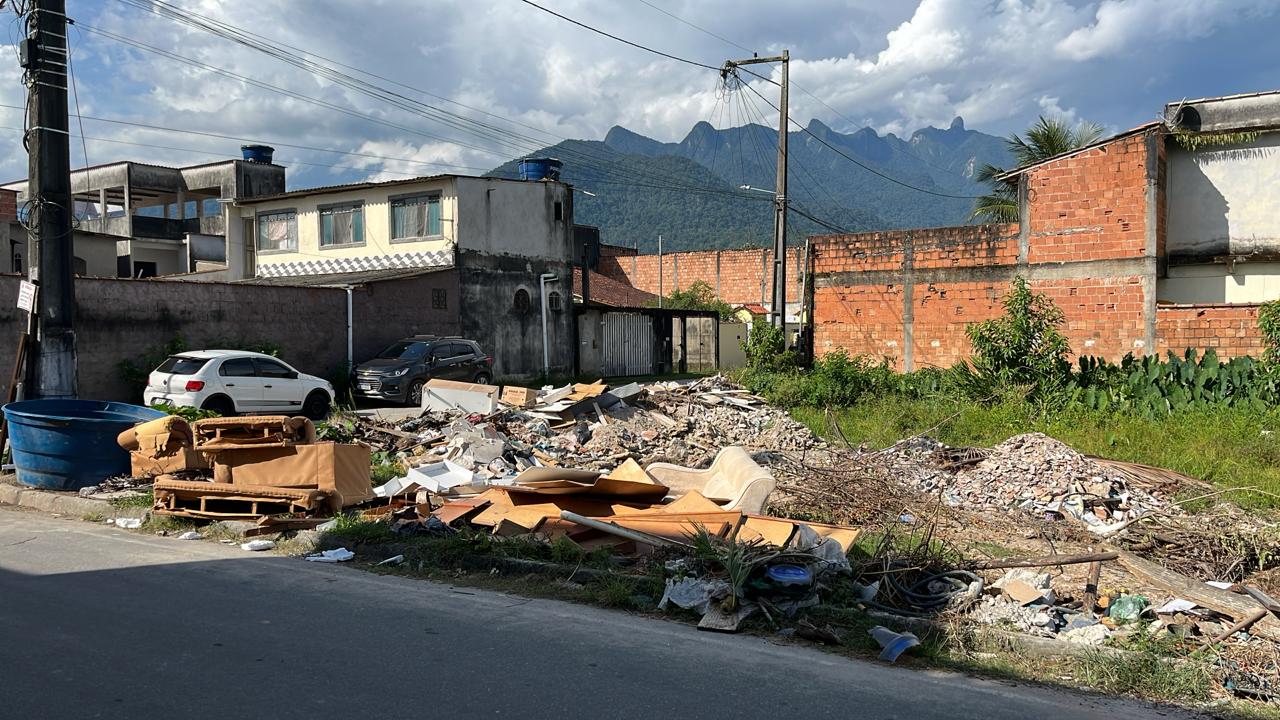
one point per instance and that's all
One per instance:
(72, 505)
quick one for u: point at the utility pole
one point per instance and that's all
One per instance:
(659, 271)
(49, 204)
(778, 308)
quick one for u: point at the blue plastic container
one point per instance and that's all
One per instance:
(70, 444)
(258, 153)
(540, 169)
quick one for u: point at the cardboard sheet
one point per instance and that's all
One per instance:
(338, 468)
(467, 397)
(145, 464)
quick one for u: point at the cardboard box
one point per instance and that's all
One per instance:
(144, 464)
(467, 397)
(343, 469)
(521, 397)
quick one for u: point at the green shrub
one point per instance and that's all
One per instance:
(766, 348)
(698, 296)
(1269, 326)
(1023, 347)
(1154, 387)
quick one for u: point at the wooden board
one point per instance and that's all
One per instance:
(1238, 607)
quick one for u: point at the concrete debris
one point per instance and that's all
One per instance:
(1090, 634)
(1036, 474)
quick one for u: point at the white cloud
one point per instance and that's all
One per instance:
(892, 66)
(1117, 25)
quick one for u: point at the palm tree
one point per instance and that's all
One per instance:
(1043, 140)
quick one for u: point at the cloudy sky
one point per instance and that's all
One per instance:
(894, 66)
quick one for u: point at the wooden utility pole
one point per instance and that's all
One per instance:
(778, 307)
(49, 202)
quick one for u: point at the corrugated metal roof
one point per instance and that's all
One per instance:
(362, 277)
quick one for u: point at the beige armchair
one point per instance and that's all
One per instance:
(734, 480)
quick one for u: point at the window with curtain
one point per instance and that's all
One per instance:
(342, 225)
(415, 217)
(278, 231)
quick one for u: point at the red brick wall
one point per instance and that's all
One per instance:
(865, 318)
(1231, 330)
(1090, 206)
(738, 280)
(8, 205)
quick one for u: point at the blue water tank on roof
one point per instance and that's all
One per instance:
(540, 169)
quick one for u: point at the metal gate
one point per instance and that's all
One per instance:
(628, 344)
(700, 344)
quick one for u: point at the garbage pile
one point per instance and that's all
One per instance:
(1039, 475)
(246, 467)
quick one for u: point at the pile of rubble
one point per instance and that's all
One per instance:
(1032, 473)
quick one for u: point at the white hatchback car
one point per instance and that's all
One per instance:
(234, 381)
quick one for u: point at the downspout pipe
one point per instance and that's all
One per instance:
(546, 346)
(351, 360)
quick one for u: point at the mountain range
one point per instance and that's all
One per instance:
(636, 188)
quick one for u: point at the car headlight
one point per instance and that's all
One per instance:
(399, 373)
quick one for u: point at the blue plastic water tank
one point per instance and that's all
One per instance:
(540, 169)
(258, 153)
(70, 444)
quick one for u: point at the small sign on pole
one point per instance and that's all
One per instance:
(26, 296)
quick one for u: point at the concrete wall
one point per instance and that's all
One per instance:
(392, 309)
(122, 319)
(1222, 199)
(489, 284)
(501, 217)
(97, 251)
(377, 243)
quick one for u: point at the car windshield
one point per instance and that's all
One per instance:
(179, 365)
(404, 351)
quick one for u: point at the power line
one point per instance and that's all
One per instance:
(398, 100)
(695, 27)
(853, 160)
(619, 39)
(248, 140)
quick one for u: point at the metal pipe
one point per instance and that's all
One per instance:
(546, 348)
(351, 360)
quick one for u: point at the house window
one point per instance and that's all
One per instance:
(278, 230)
(521, 302)
(415, 216)
(559, 210)
(439, 299)
(553, 301)
(342, 225)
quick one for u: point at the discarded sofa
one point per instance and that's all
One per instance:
(261, 465)
(734, 481)
(161, 446)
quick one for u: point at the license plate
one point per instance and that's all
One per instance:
(365, 386)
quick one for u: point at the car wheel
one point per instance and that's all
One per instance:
(414, 396)
(316, 406)
(220, 404)
(482, 379)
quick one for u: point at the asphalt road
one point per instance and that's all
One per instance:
(97, 622)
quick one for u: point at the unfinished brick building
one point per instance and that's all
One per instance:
(1163, 237)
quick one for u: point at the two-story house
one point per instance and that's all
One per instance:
(496, 243)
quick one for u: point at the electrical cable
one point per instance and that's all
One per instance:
(534, 144)
(619, 39)
(855, 161)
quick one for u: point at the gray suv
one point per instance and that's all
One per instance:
(399, 372)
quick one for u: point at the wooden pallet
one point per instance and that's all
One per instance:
(212, 506)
